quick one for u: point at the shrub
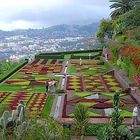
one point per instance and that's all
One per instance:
(94, 129)
(137, 132)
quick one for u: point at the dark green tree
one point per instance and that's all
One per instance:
(112, 132)
(117, 119)
(129, 20)
(106, 28)
(81, 120)
(122, 6)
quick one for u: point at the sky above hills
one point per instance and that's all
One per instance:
(23, 14)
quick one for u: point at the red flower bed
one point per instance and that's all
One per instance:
(35, 62)
(100, 100)
(53, 61)
(109, 86)
(64, 107)
(38, 82)
(103, 106)
(10, 81)
(14, 99)
(44, 61)
(38, 101)
(78, 83)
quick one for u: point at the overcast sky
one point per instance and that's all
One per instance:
(21, 14)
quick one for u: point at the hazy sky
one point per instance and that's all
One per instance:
(17, 14)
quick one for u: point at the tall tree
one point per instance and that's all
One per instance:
(117, 119)
(122, 6)
(80, 120)
(105, 30)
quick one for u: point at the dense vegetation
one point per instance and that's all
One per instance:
(124, 29)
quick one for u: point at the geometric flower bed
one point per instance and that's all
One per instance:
(86, 62)
(42, 69)
(33, 101)
(37, 102)
(13, 99)
(95, 68)
(99, 104)
(74, 83)
(93, 83)
(34, 75)
(18, 81)
(111, 83)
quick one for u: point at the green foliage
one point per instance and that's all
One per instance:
(105, 29)
(120, 38)
(72, 69)
(129, 20)
(112, 132)
(115, 51)
(93, 129)
(34, 129)
(67, 57)
(129, 68)
(121, 6)
(124, 132)
(116, 120)
(80, 120)
(137, 132)
(105, 133)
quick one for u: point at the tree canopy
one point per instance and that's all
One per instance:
(122, 6)
(105, 29)
(129, 20)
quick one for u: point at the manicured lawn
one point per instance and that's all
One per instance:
(67, 57)
(37, 88)
(5, 87)
(88, 72)
(48, 106)
(72, 69)
(6, 68)
(82, 94)
(17, 76)
(87, 54)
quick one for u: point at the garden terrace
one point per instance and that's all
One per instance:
(88, 84)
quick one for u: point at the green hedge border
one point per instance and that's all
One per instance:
(71, 52)
(86, 57)
(41, 56)
(14, 70)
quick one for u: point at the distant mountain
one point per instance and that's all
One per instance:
(58, 31)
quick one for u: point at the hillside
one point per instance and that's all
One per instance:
(58, 31)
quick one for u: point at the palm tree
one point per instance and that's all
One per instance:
(80, 120)
(122, 6)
